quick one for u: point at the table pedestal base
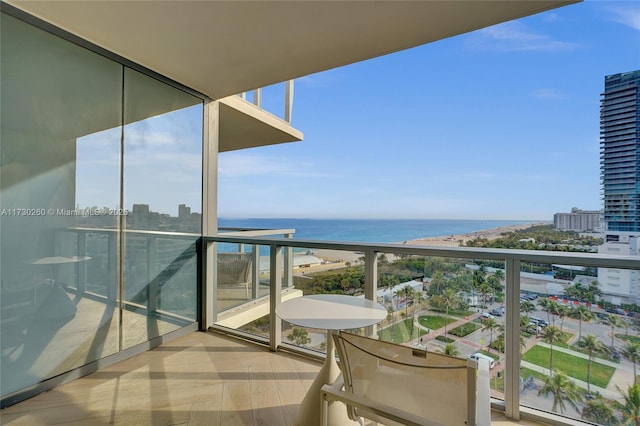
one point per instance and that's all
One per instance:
(309, 411)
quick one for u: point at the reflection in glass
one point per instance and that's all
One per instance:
(61, 157)
(162, 197)
(60, 114)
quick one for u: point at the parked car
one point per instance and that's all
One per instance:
(478, 356)
(486, 315)
(496, 312)
(538, 321)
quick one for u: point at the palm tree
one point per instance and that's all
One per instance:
(593, 292)
(563, 389)
(631, 351)
(479, 283)
(494, 284)
(451, 349)
(582, 313)
(447, 298)
(563, 311)
(550, 335)
(485, 288)
(418, 298)
(437, 285)
(527, 307)
(613, 321)
(591, 344)
(631, 408)
(408, 293)
(491, 325)
(551, 307)
(598, 410)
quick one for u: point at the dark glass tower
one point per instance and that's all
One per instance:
(620, 151)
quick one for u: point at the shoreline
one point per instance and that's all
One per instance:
(454, 240)
(339, 256)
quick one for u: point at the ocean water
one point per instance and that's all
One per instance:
(370, 230)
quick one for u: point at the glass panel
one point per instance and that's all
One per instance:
(60, 141)
(162, 193)
(580, 360)
(323, 271)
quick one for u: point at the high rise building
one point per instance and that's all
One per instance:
(620, 151)
(620, 174)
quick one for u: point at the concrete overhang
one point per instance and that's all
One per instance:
(244, 125)
(221, 48)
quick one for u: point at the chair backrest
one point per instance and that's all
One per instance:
(234, 268)
(437, 388)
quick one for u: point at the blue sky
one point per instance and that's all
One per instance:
(500, 123)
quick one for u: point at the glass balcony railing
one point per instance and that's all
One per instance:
(555, 351)
(274, 99)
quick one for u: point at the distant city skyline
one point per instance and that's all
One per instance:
(500, 123)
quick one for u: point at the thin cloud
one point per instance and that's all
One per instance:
(238, 165)
(626, 16)
(514, 36)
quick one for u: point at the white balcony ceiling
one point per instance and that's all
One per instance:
(221, 48)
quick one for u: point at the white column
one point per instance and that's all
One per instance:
(288, 101)
(211, 135)
(512, 339)
(275, 296)
(371, 282)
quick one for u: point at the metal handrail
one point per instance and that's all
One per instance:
(511, 258)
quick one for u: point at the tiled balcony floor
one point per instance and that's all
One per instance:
(199, 379)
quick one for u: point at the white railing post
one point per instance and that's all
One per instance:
(152, 273)
(288, 100)
(255, 272)
(275, 296)
(257, 98)
(288, 264)
(512, 339)
(371, 282)
(81, 267)
(209, 296)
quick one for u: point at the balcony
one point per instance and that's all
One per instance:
(251, 371)
(517, 379)
(201, 378)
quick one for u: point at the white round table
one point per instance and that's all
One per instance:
(330, 312)
(57, 304)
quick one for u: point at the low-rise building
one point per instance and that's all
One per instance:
(578, 220)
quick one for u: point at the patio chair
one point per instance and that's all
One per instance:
(401, 385)
(234, 270)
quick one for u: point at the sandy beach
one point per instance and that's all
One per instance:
(340, 257)
(454, 240)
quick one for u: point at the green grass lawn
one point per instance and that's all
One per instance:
(525, 373)
(563, 342)
(573, 366)
(399, 332)
(628, 337)
(435, 322)
(464, 329)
